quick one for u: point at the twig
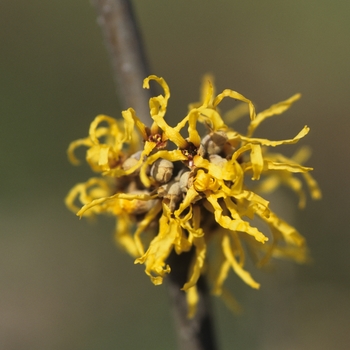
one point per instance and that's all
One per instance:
(127, 56)
(196, 333)
(129, 66)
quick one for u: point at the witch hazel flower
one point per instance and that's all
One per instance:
(174, 188)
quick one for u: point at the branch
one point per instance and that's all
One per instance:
(196, 333)
(124, 45)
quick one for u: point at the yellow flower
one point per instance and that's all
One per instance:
(181, 193)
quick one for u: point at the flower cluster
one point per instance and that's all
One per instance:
(179, 193)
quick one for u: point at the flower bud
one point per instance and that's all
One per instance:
(214, 142)
(217, 160)
(162, 170)
(171, 192)
(131, 161)
(184, 181)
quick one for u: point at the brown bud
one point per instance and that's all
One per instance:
(184, 181)
(214, 142)
(171, 192)
(131, 161)
(162, 170)
(217, 160)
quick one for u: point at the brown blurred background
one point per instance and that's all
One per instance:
(63, 283)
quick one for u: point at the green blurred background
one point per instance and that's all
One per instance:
(63, 283)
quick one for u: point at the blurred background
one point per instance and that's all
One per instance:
(63, 283)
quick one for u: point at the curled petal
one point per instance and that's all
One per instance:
(244, 275)
(198, 262)
(234, 224)
(87, 192)
(113, 127)
(237, 96)
(99, 201)
(313, 186)
(75, 144)
(192, 130)
(160, 248)
(257, 161)
(275, 109)
(266, 142)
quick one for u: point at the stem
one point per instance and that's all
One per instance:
(129, 69)
(124, 45)
(196, 333)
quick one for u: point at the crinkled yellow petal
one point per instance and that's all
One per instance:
(171, 133)
(211, 118)
(243, 274)
(93, 155)
(257, 161)
(103, 157)
(192, 130)
(205, 182)
(301, 155)
(208, 90)
(291, 168)
(237, 96)
(237, 186)
(275, 109)
(191, 196)
(234, 225)
(182, 241)
(206, 94)
(289, 233)
(297, 254)
(181, 124)
(313, 186)
(128, 196)
(221, 277)
(93, 151)
(123, 235)
(113, 126)
(130, 121)
(75, 144)
(239, 251)
(196, 230)
(261, 205)
(298, 158)
(147, 220)
(198, 262)
(86, 192)
(160, 248)
(161, 82)
(158, 106)
(272, 182)
(192, 301)
(268, 184)
(130, 115)
(266, 142)
(241, 150)
(228, 171)
(234, 211)
(188, 223)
